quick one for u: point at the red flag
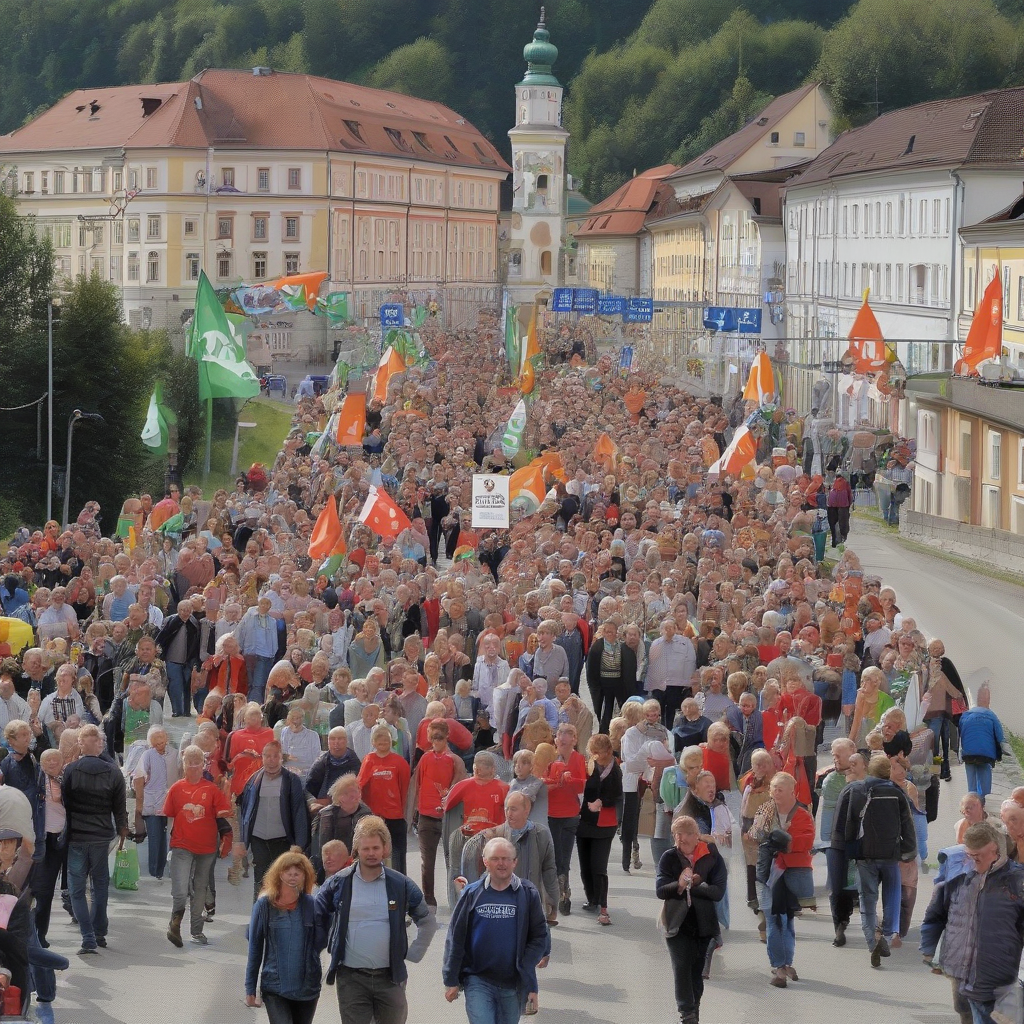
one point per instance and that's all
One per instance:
(867, 345)
(326, 533)
(382, 515)
(985, 338)
(352, 420)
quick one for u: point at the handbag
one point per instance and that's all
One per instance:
(957, 706)
(126, 867)
(671, 917)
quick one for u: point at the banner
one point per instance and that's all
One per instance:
(490, 502)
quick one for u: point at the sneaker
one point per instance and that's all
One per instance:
(88, 950)
(200, 939)
(840, 939)
(101, 941)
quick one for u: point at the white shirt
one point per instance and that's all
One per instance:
(487, 677)
(13, 707)
(156, 617)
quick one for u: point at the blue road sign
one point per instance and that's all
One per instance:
(584, 300)
(611, 305)
(561, 301)
(639, 311)
(392, 315)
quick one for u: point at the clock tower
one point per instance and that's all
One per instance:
(536, 235)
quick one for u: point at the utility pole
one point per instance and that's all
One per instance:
(49, 410)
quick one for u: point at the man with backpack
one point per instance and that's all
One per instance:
(879, 834)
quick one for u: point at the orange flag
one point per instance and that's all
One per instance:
(761, 382)
(526, 488)
(985, 338)
(326, 533)
(606, 448)
(527, 376)
(352, 420)
(311, 282)
(382, 515)
(390, 364)
(739, 453)
(551, 462)
(867, 345)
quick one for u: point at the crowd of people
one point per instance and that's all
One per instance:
(654, 652)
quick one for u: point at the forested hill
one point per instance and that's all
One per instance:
(649, 81)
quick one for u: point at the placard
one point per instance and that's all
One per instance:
(392, 315)
(490, 502)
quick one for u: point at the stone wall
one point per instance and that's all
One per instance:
(998, 549)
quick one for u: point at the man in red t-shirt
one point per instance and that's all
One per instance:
(438, 770)
(193, 804)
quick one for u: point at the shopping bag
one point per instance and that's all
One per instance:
(126, 867)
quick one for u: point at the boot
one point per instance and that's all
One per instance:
(688, 1018)
(706, 972)
(564, 895)
(174, 929)
(637, 863)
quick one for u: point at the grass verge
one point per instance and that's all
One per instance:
(255, 444)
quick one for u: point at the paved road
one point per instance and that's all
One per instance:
(597, 975)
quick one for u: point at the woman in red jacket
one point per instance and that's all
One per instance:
(384, 780)
(785, 830)
(565, 778)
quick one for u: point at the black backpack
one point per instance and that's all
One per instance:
(879, 829)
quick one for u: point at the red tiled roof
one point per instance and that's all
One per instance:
(624, 211)
(720, 157)
(980, 130)
(246, 111)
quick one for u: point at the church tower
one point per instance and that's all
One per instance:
(539, 178)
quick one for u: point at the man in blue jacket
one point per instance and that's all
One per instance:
(496, 939)
(981, 743)
(364, 909)
(980, 916)
(273, 814)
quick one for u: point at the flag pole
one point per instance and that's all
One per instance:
(209, 436)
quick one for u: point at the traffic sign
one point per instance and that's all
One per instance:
(611, 305)
(639, 310)
(561, 300)
(584, 300)
(392, 315)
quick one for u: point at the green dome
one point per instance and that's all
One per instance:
(539, 56)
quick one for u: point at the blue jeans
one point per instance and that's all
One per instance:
(940, 727)
(89, 861)
(258, 680)
(487, 1003)
(781, 932)
(179, 685)
(873, 873)
(921, 828)
(981, 1012)
(979, 779)
(42, 964)
(156, 843)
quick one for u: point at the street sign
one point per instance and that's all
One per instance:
(730, 319)
(611, 305)
(749, 321)
(392, 315)
(584, 300)
(639, 311)
(561, 301)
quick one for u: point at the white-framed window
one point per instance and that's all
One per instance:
(995, 454)
(117, 232)
(44, 182)
(118, 179)
(133, 229)
(966, 452)
(151, 177)
(928, 428)
(799, 139)
(133, 266)
(191, 227)
(291, 228)
(223, 266)
(81, 236)
(153, 266)
(58, 182)
(30, 181)
(97, 234)
(259, 266)
(228, 176)
(291, 262)
(259, 227)
(62, 236)
(225, 226)
(294, 178)
(153, 225)
(193, 262)
(115, 268)
(263, 179)
(991, 507)
(1006, 289)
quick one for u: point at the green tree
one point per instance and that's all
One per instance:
(422, 68)
(732, 114)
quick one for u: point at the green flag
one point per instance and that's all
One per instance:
(154, 432)
(294, 296)
(513, 436)
(334, 306)
(511, 334)
(223, 371)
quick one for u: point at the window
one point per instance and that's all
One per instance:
(259, 266)
(62, 236)
(115, 268)
(259, 226)
(263, 179)
(490, 196)
(1006, 288)
(295, 177)
(117, 232)
(30, 181)
(153, 225)
(965, 449)
(798, 139)
(228, 177)
(192, 264)
(150, 177)
(118, 180)
(133, 178)
(888, 219)
(899, 282)
(44, 182)
(81, 235)
(774, 139)
(902, 220)
(225, 226)
(291, 227)
(936, 214)
(995, 454)
(96, 266)
(97, 234)
(191, 227)
(846, 220)
(58, 182)
(545, 261)
(153, 267)
(1020, 298)
(133, 266)
(421, 139)
(291, 262)
(223, 266)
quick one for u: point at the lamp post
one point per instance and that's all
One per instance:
(49, 410)
(72, 420)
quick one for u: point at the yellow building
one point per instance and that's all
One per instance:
(251, 175)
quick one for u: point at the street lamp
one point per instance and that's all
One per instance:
(74, 418)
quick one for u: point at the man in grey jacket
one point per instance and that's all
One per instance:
(535, 851)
